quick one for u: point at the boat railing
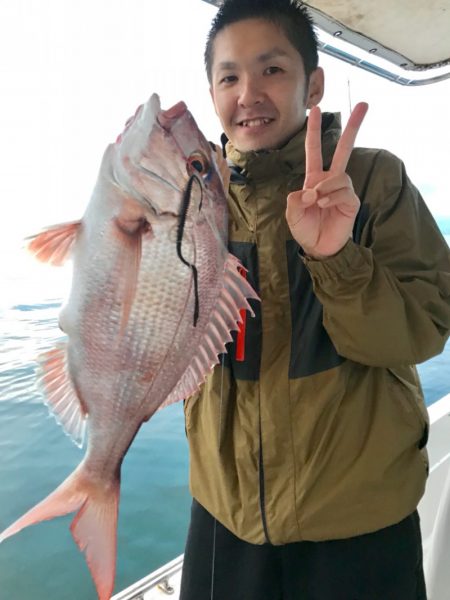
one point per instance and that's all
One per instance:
(159, 579)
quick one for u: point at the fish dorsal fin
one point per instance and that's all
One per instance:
(61, 397)
(225, 318)
(53, 245)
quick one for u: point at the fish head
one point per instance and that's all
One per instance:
(161, 156)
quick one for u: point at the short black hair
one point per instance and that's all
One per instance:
(290, 15)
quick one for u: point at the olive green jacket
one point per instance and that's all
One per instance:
(320, 432)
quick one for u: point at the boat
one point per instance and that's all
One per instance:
(413, 50)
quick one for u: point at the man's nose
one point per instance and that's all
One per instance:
(250, 92)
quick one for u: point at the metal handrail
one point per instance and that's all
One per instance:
(371, 67)
(158, 578)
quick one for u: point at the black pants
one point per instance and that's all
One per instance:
(385, 565)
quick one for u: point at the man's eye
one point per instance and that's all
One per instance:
(228, 79)
(272, 70)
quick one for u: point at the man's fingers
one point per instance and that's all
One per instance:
(128, 123)
(345, 201)
(295, 209)
(313, 142)
(337, 190)
(333, 183)
(309, 197)
(346, 143)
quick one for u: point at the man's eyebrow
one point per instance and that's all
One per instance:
(228, 65)
(274, 53)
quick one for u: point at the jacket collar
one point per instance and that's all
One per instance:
(288, 160)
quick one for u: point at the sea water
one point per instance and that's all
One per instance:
(42, 562)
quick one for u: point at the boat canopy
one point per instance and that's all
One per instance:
(406, 41)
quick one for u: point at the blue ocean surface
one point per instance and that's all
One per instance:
(42, 562)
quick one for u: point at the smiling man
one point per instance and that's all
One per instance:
(259, 86)
(307, 446)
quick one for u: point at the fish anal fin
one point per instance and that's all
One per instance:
(225, 318)
(54, 245)
(60, 395)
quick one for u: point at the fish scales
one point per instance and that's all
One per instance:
(154, 296)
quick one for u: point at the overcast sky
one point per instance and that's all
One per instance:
(72, 71)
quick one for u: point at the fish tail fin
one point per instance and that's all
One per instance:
(94, 527)
(67, 498)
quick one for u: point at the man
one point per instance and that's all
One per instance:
(308, 444)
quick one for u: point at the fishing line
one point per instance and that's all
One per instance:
(184, 209)
(213, 560)
(218, 438)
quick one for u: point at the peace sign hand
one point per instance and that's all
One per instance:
(321, 215)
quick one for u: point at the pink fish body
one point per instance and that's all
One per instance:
(154, 297)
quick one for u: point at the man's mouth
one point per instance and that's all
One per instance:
(255, 122)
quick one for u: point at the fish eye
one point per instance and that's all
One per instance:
(198, 164)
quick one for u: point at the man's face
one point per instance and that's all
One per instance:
(258, 85)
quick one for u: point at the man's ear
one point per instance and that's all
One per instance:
(316, 87)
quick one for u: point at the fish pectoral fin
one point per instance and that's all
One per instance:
(54, 244)
(61, 397)
(225, 318)
(131, 226)
(133, 245)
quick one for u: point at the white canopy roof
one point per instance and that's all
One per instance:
(412, 35)
(415, 32)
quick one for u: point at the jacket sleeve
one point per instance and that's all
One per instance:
(386, 299)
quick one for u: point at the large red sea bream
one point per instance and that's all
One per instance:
(154, 296)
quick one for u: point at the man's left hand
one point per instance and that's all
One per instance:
(321, 215)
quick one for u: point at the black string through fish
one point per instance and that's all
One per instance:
(184, 209)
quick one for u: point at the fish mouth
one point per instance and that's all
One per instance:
(255, 122)
(166, 118)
